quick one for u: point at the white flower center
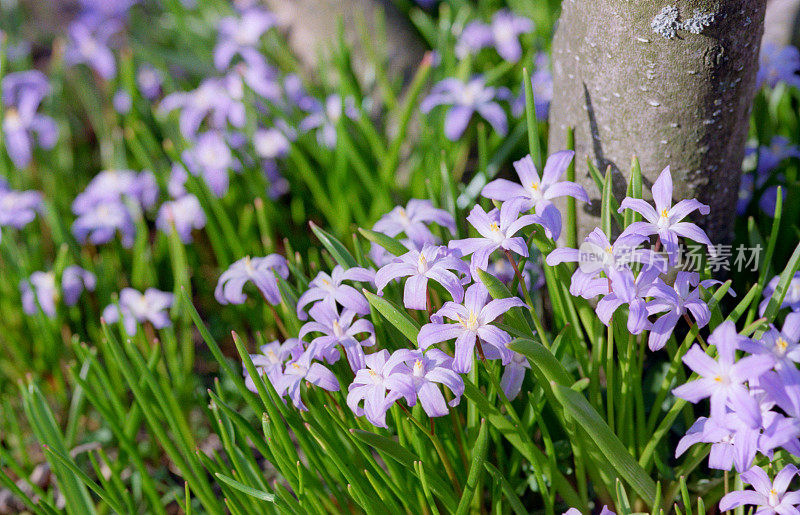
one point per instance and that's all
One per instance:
(337, 329)
(663, 218)
(471, 323)
(496, 234)
(12, 120)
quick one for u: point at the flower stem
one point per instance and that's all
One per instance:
(700, 339)
(437, 444)
(536, 321)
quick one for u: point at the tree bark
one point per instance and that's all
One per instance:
(313, 26)
(671, 81)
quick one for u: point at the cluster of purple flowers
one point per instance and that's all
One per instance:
(212, 117)
(111, 203)
(42, 290)
(621, 284)
(754, 408)
(468, 317)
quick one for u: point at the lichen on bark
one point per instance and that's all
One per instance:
(682, 101)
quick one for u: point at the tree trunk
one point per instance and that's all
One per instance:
(671, 81)
(313, 26)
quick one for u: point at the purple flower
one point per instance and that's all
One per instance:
(18, 208)
(241, 34)
(466, 99)
(122, 102)
(106, 9)
(778, 64)
(329, 289)
(41, 289)
(301, 369)
(431, 262)
(22, 95)
(259, 76)
(370, 386)
(772, 155)
(770, 496)
(497, 229)
(724, 380)
(99, 223)
(597, 255)
(270, 143)
(114, 186)
(514, 368)
(782, 346)
(411, 221)
(270, 360)
(278, 185)
(503, 33)
(327, 116)
(185, 214)
(419, 379)
(218, 99)
(674, 302)
(665, 219)
(149, 80)
(733, 444)
(150, 306)
(261, 271)
(474, 318)
(211, 158)
(576, 511)
(539, 192)
(336, 330)
(74, 280)
(89, 45)
(792, 298)
(630, 291)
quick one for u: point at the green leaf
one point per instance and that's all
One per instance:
(783, 285)
(252, 492)
(634, 190)
(607, 442)
(80, 474)
(478, 459)
(508, 490)
(623, 504)
(606, 209)
(533, 125)
(407, 458)
(396, 316)
(520, 439)
(599, 181)
(335, 247)
(390, 244)
(543, 359)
